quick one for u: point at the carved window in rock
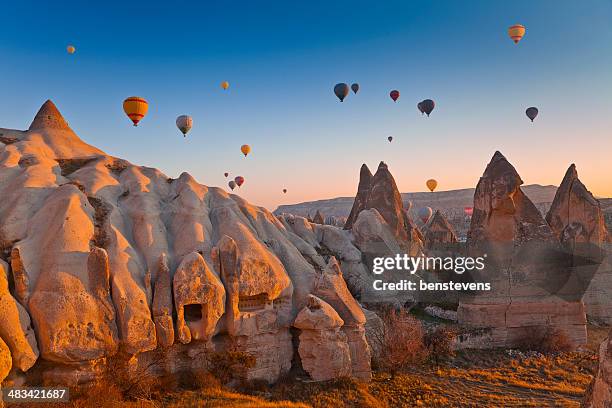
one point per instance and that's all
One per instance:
(192, 312)
(253, 303)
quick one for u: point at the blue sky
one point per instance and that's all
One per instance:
(282, 60)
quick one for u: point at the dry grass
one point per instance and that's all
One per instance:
(469, 379)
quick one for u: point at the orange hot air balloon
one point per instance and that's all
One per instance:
(239, 181)
(70, 49)
(516, 32)
(245, 149)
(431, 184)
(135, 108)
(224, 85)
(394, 94)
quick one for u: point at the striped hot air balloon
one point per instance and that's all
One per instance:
(135, 108)
(516, 32)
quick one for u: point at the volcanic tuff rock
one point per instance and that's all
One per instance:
(600, 393)
(525, 265)
(438, 231)
(576, 218)
(380, 192)
(318, 218)
(95, 243)
(323, 349)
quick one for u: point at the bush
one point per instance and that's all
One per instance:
(439, 343)
(398, 342)
(229, 365)
(546, 340)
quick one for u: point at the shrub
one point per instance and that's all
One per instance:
(439, 343)
(398, 342)
(229, 365)
(547, 340)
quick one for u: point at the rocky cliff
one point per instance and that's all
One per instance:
(105, 259)
(532, 284)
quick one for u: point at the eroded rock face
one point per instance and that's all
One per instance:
(162, 304)
(96, 242)
(323, 346)
(531, 284)
(576, 218)
(332, 288)
(199, 297)
(600, 393)
(15, 326)
(5, 361)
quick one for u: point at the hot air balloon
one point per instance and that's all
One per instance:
(245, 149)
(184, 123)
(394, 94)
(425, 214)
(468, 211)
(341, 90)
(226, 174)
(355, 87)
(239, 181)
(428, 105)
(532, 113)
(70, 49)
(232, 184)
(135, 108)
(224, 85)
(516, 32)
(420, 107)
(390, 139)
(431, 184)
(284, 191)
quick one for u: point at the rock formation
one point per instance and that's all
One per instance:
(323, 349)
(361, 199)
(333, 290)
(576, 218)
(199, 297)
(438, 232)
(104, 253)
(380, 192)
(15, 326)
(318, 218)
(525, 265)
(600, 392)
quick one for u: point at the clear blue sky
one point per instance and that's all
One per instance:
(282, 59)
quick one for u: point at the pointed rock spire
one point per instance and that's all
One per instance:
(48, 116)
(575, 215)
(318, 218)
(363, 190)
(439, 231)
(502, 212)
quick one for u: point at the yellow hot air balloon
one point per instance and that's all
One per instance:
(431, 184)
(70, 49)
(135, 108)
(224, 85)
(245, 149)
(516, 32)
